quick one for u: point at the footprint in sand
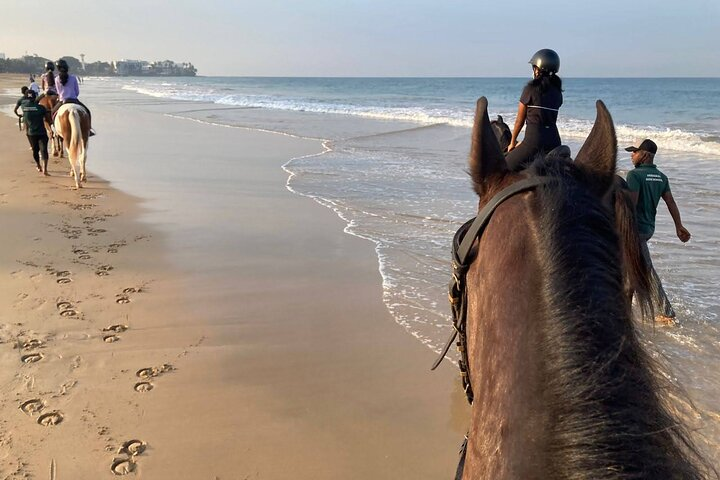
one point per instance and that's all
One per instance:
(31, 357)
(103, 270)
(110, 338)
(131, 290)
(49, 419)
(33, 406)
(63, 305)
(119, 328)
(64, 280)
(32, 343)
(133, 447)
(121, 299)
(69, 312)
(122, 466)
(143, 387)
(85, 257)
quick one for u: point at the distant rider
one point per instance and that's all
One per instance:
(47, 80)
(538, 109)
(34, 86)
(68, 89)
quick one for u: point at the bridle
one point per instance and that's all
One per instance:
(462, 243)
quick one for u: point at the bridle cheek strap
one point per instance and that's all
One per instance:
(462, 243)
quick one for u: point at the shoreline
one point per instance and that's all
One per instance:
(290, 354)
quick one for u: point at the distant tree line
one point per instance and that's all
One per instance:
(33, 64)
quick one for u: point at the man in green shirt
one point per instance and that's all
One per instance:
(34, 116)
(647, 186)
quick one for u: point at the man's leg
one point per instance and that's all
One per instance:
(661, 298)
(43, 141)
(35, 144)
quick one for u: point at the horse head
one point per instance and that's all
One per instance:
(562, 386)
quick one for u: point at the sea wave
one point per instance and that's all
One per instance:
(675, 139)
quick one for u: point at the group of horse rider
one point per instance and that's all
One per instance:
(63, 85)
(61, 89)
(538, 110)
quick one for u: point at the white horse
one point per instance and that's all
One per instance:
(72, 123)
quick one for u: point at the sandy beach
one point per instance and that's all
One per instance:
(119, 356)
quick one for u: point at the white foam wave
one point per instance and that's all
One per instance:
(666, 138)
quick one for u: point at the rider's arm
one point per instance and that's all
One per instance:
(519, 122)
(682, 232)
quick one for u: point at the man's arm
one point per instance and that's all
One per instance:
(682, 232)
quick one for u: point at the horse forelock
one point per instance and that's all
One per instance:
(600, 384)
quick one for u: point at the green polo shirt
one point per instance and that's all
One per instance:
(33, 114)
(651, 184)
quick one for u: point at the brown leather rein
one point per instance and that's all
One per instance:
(462, 243)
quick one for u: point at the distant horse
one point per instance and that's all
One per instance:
(72, 123)
(49, 102)
(560, 386)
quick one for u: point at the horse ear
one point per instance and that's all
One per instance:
(486, 158)
(598, 156)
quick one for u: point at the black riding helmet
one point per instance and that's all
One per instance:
(546, 60)
(62, 65)
(50, 66)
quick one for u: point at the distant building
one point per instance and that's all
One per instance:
(151, 69)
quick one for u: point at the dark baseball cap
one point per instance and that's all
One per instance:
(647, 145)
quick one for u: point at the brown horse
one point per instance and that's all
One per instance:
(72, 123)
(562, 387)
(49, 102)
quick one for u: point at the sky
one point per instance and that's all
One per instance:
(476, 38)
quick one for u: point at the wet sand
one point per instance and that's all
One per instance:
(286, 366)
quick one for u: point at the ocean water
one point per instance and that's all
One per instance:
(393, 164)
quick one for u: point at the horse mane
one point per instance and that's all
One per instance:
(609, 419)
(636, 268)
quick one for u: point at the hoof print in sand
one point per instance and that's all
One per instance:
(49, 419)
(143, 387)
(122, 466)
(31, 357)
(33, 343)
(31, 407)
(133, 447)
(64, 280)
(85, 256)
(103, 270)
(68, 313)
(63, 305)
(112, 338)
(131, 290)
(121, 299)
(116, 328)
(150, 372)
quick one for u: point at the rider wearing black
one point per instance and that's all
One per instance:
(47, 81)
(538, 109)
